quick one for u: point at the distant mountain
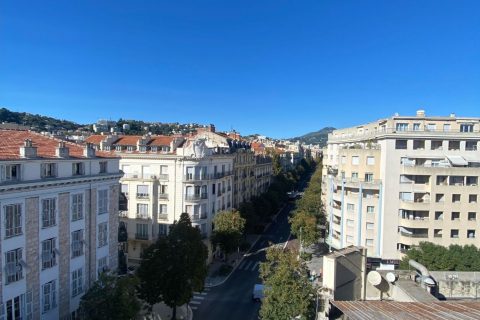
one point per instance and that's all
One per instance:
(318, 137)
(36, 121)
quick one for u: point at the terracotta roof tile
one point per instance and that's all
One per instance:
(95, 139)
(128, 140)
(12, 140)
(160, 140)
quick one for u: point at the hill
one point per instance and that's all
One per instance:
(318, 137)
(36, 121)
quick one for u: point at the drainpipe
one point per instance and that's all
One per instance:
(426, 279)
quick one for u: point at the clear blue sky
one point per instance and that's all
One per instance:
(281, 68)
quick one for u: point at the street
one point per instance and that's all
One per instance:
(233, 299)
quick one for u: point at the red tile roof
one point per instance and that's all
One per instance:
(161, 141)
(12, 140)
(95, 139)
(127, 140)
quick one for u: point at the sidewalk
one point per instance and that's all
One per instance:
(215, 276)
(160, 311)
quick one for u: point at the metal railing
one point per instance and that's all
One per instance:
(163, 196)
(141, 236)
(194, 197)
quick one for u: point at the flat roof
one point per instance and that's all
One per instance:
(392, 310)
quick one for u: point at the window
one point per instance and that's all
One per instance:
(49, 295)
(48, 170)
(455, 198)
(77, 243)
(471, 145)
(12, 172)
(446, 127)
(163, 189)
(102, 201)
(48, 253)
(102, 234)
(370, 161)
(418, 144)
(13, 266)
(350, 239)
(17, 308)
(77, 282)
(142, 211)
(162, 229)
(472, 198)
(125, 189)
(406, 196)
(454, 233)
(48, 212)
(142, 191)
(401, 127)
(350, 223)
(400, 144)
(102, 265)
(130, 148)
(471, 234)
(162, 209)
(370, 209)
(369, 242)
(466, 128)
(350, 206)
(77, 206)
(455, 215)
(436, 145)
(472, 216)
(416, 127)
(344, 160)
(431, 127)
(213, 188)
(370, 226)
(77, 168)
(438, 215)
(355, 160)
(13, 220)
(354, 175)
(439, 197)
(368, 177)
(453, 145)
(163, 169)
(142, 231)
(103, 166)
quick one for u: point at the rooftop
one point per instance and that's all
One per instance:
(391, 310)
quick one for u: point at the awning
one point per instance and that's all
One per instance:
(402, 229)
(472, 157)
(457, 161)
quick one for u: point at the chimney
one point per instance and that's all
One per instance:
(452, 115)
(420, 113)
(211, 128)
(62, 151)
(89, 151)
(28, 150)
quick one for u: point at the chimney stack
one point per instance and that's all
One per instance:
(421, 113)
(28, 150)
(62, 151)
(89, 151)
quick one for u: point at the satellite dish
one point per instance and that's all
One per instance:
(391, 277)
(374, 278)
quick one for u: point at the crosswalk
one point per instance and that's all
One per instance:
(198, 297)
(248, 265)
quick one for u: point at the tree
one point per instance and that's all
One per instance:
(229, 228)
(110, 297)
(289, 293)
(304, 226)
(174, 267)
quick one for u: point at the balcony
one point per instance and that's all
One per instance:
(197, 217)
(141, 236)
(162, 216)
(142, 216)
(195, 177)
(196, 197)
(163, 177)
(417, 222)
(123, 214)
(163, 196)
(229, 188)
(414, 235)
(143, 196)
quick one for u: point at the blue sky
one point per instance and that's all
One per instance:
(280, 68)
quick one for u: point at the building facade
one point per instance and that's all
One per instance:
(59, 208)
(395, 182)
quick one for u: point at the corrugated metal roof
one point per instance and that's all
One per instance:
(392, 310)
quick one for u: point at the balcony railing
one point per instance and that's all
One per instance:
(163, 177)
(195, 177)
(123, 214)
(142, 216)
(199, 217)
(141, 236)
(414, 235)
(162, 216)
(196, 197)
(163, 196)
(143, 195)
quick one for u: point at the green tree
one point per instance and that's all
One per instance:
(304, 227)
(289, 293)
(110, 297)
(174, 267)
(229, 228)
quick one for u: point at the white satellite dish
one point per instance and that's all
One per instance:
(374, 278)
(391, 277)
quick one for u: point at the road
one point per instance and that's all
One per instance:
(233, 299)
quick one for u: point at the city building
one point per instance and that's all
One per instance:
(59, 222)
(395, 182)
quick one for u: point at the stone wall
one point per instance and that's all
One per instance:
(452, 284)
(31, 254)
(64, 257)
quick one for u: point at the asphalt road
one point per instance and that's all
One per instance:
(233, 299)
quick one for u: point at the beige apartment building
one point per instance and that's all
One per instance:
(395, 182)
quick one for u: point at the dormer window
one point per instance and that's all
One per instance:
(118, 148)
(49, 170)
(78, 168)
(11, 173)
(130, 148)
(153, 148)
(142, 149)
(165, 149)
(107, 148)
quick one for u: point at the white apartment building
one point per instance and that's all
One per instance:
(395, 182)
(59, 222)
(164, 177)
